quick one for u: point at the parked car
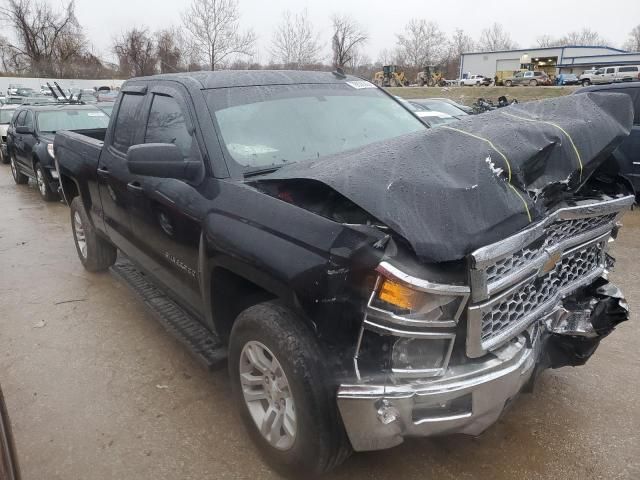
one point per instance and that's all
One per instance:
(13, 89)
(25, 92)
(430, 117)
(362, 275)
(606, 75)
(531, 78)
(9, 469)
(6, 112)
(475, 81)
(627, 155)
(438, 105)
(30, 140)
(567, 79)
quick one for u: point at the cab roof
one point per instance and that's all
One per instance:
(247, 78)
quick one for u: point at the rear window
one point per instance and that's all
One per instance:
(6, 114)
(58, 120)
(628, 69)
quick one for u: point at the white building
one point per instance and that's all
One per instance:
(553, 60)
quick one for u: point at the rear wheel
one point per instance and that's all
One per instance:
(95, 253)
(18, 177)
(281, 385)
(43, 185)
(3, 157)
(533, 83)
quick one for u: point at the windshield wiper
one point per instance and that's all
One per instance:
(261, 170)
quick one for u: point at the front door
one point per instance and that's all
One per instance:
(116, 196)
(167, 232)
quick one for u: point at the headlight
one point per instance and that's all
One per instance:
(50, 150)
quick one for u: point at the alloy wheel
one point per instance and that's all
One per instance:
(42, 186)
(14, 171)
(81, 239)
(267, 395)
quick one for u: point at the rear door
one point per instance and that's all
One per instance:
(167, 234)
(126, 129)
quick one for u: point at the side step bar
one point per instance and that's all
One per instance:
(204, 345)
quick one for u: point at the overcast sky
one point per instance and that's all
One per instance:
(523, 19)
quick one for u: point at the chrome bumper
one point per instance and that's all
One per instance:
(467, 399)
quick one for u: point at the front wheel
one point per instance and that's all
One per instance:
(533, 83)
(284, 392)
(18, 177)
(95, 253)
(46, 193)
(508, 83)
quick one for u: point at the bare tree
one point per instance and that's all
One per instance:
(347, 36)
(136, 52)
(496, 38)
(170, 50)
(585, 36)
(459, 43)
(44, 38)
(544, 41)
(214, 30)
(633, 44)
(422, 44)
(295, 44)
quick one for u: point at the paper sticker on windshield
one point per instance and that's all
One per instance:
(96, 114)
(361, 84)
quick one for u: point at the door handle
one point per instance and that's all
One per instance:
(135, 187)
(103, 172)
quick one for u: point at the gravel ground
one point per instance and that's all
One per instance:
(97, 389)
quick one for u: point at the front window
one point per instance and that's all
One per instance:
(269, 126)
(71, 119)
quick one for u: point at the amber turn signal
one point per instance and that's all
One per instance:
(398, 295)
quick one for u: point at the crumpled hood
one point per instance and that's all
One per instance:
(453, 189)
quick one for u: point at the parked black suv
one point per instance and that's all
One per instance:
(30, 140)
(627, 154)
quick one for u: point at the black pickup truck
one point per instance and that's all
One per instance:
(366, 278)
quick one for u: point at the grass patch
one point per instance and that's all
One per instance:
(468, 95)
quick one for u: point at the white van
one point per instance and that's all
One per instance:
(623, 73)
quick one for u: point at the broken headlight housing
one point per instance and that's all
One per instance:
(422, 315)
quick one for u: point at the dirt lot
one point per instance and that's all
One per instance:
(468, 95)
(98, 390)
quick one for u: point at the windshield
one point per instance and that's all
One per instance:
(6, 114)
(57, 120)
(269, 126)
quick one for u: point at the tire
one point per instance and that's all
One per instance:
(586, 83)
(4, 158)
(18, 177)
(46, 193)
(318, 442)
(95, 253)
(533, 83)
(508, 83)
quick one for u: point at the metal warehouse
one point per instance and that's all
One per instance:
(552, 60)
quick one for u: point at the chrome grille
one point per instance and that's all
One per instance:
(520, 279)
(534, 296)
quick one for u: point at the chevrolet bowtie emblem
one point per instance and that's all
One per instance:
(551, 263)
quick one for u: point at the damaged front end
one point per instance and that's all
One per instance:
(456, 352)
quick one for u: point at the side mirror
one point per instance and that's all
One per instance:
(24, 130)
(163, 160)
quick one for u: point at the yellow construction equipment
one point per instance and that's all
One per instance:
(390, 76)
(429, 77)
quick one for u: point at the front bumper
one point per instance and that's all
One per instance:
(472, 394)
(467, 399)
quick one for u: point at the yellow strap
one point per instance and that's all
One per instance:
(575, 149)
(506, 161)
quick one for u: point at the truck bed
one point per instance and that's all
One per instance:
(78, 151)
